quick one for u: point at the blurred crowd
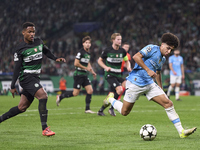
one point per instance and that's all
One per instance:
(140, 22)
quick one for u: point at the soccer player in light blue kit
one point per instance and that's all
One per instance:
(176, 73)
(140, 81)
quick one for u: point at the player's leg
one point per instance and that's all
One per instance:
(88, 98)
(177, 92)
(22, 106)
(131, 95)
(177, 88)
(161, 98)
(118, 88)
(172, 85)
(117, 93)
(123, 108)
(41, 95)
(67, 94)
(123, 89)
(112, 81)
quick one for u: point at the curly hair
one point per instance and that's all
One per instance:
(170, 39)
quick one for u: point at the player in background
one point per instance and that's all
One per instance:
(113, 57)
(62, 85)
(177, 74)
(83, 66)
(148, 64)
(28, 60)
(125, 46)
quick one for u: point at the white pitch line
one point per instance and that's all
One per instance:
(73, 113)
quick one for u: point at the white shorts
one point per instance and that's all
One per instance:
(133, 91)
(175, 79)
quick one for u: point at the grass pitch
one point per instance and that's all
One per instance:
(76, 130)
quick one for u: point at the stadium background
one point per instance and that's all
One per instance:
(63, 23)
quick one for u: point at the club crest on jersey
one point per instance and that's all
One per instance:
(117, 55)
(36, 85)
(159, 60)
(35, 49)
(16, 57)
(114, 84)
(149, 49)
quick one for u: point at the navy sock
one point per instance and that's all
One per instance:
(11, 113)
(66, 94)
(43, 112)
(102, 108)
(88, 101)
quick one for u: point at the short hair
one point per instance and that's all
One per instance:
(170, 39)
(27, 24)
(125, 43)
(114, 35)
(86, 38)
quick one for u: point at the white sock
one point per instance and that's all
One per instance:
(177, 90)
(174, 118)
(169, 90)
(116, 104)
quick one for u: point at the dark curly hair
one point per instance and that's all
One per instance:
(170, 39)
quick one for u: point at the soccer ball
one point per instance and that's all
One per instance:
(148, 132)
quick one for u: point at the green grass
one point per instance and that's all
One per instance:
(76, 130)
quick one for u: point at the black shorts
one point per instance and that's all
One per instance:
(30, 84)
(114, 82)
(81, 81)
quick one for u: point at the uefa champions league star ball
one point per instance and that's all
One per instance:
(148, 132)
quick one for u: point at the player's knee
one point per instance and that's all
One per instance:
(125, 113)
(90, 91)
(169, 104)
(75, 93)
(22, 108)
(44, 96)
(119, 90)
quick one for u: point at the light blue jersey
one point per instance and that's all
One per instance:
(153, 60)
(176, 64)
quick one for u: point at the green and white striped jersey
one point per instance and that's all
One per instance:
(113, 58)
(28, 58)
(84, 58)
